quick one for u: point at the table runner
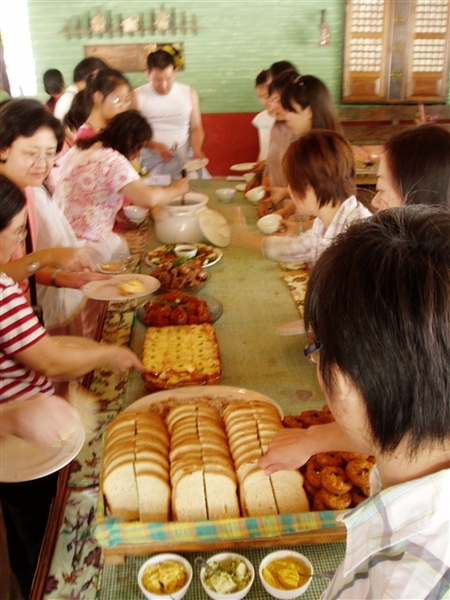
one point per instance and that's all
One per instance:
(260, 362)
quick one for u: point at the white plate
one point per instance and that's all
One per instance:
(293, 328)
(196, 165)
(214, 227)
(149, 262)
(188, 393)
(23, 461)
(107, 289)
(243, 167)
(240, 187)
(103, 268)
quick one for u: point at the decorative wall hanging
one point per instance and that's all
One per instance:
(131, 58)
(153, 22)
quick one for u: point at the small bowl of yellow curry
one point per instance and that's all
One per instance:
(285, 574)
(165, 576)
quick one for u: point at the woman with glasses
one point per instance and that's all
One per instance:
(377, 308)
(106, 95)
(30, 138)
(96, 175)
(28, 409)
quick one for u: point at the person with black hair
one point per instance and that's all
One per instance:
(377, 311)
(96, 174)
(172, 109)
(414, 168)
(54, 86)
(81, 72)
(28, 408)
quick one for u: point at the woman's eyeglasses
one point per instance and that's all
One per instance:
(118, 100)
(310, 352)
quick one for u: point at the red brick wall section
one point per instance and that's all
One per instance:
(230, 138)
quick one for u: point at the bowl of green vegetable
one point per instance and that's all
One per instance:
(231, 576)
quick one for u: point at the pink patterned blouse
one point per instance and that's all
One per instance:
(88, 189)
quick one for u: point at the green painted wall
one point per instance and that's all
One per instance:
(236, 39)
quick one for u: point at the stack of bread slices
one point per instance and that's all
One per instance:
(250, 428)
(202, 473)
(136, 467)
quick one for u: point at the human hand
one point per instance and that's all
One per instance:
(43, 419)
(288, 227)
(198, 153)
(71, 259)
(164, 152)
(260, 167)
(254, 182)
(121, 359)
(288, 450)
(181, 185)
(277, 194)
(265, 207)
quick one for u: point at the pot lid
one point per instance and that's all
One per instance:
(214, 227)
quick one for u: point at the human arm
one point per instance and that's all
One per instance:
(197, 133)
(71, 259)
(150, 197)
(42, 419)
(67, 279)
(45, 358)
(291, 448)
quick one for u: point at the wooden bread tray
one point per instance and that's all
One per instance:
(118, 538)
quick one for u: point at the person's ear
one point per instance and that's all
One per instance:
(309, 112)
(98, 97)
(4, 153)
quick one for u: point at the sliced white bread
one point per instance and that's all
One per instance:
(221, 496)
(154, 495)
(290, 495)
(257, 496)
(121, 492)
(188, 498)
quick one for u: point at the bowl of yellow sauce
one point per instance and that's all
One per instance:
(285, 574)
(165, 576)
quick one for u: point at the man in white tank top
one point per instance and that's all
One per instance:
(173, 112)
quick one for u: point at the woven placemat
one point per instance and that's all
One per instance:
(121, 582)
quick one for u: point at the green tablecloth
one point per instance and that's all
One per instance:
(256, 301)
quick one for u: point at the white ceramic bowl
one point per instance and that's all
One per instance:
(159, 558)
(248, 176)
(185, 250)
(225, 194)
(285, 594)
(256, 194)
(135, 213)
(233, 595)
(269, 223)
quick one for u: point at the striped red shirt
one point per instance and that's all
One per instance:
(19, 330)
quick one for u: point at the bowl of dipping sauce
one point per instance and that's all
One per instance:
(185, 250)
(225, 194)
(285, 574)
(269, 223)
(136, 214)
(234, 578)
(256, 194)
(165, 576)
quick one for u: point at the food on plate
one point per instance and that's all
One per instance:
(166, 254)
(136, 468)
(201, 469)
(166, 577)
(112, 267)
(250, 428)
(184, 276)
(180, 355)
(176, 308)
(131, 287)
(286, 573)
(232, 576)
(333, 480)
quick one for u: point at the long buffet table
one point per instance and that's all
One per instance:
(258, 296)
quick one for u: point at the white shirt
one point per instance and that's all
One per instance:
(308, 246)
(263, 122)
(398, 544)
(168, 114)
(65, 102)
